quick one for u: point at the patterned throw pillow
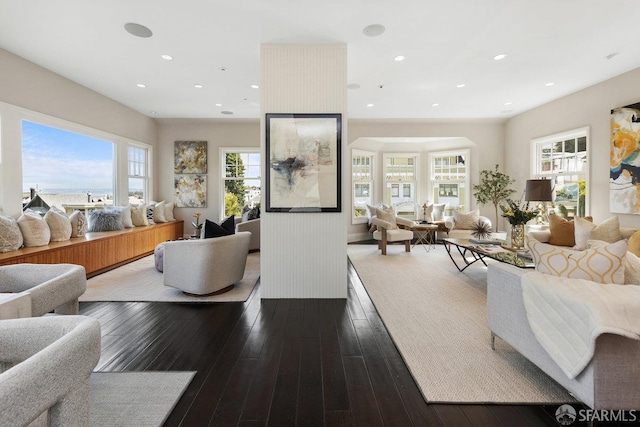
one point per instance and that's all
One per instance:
(465, 221)
(388, 215)
(79, 224)
(59, 224)
(438, 212)
(603, 264)
(35, 230)
(608, 230)
(10, 235)
(150, 208)
(631, 263)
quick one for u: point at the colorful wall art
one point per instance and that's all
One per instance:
(304, 154)
(190, 190)
(190, 157)
(624, 174)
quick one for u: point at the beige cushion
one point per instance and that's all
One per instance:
(634, 243)
(602, 264)
(10, 234)
(139, 215)
(59, 224)
(438, 211)
(159, 212)
(608, 230)
(465, 221)
(630, 262)
(79, 224)
(125, 215)
(168, 211)
(388, 215)
(34, 228)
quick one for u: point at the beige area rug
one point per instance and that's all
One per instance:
(437, 318)
(140, 281)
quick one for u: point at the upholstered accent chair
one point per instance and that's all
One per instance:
(252, 226)
(45, 366)
(388, 231)
(206, 266)
(52, 287)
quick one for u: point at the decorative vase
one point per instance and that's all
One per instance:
(517, 235)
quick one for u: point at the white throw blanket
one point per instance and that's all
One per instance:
(567, 315)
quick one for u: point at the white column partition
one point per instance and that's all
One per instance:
(304, 255)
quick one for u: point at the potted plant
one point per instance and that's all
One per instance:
(494, 188)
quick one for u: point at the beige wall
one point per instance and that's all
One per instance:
(589, 107)
(218, 133)
(28, 91)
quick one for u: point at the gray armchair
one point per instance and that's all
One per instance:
(48, 362)
(52, 287)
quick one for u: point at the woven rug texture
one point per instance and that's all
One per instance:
(139, 281)
(437, 319)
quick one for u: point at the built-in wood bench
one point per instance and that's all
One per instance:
(99, 252)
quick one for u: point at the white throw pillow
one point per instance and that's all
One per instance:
(388, 215)
(608, 230)
(158, 212)
(139, 215)
(168, 211)
(34, 228)
(79, 224)
(10, 234)
(59, 224)
(466, 221)
(125, 215)
(602, 264)
(438, 212)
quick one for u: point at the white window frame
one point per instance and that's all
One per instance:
(223, 173)
(467, 179)
(371, 181)
(145, 177)
(537, 173)
(415, 181)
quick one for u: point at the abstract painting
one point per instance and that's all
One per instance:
(624, 173)
(303, 170)
(190, 190)
(190, 157)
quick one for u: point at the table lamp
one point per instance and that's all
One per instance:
(540, 190)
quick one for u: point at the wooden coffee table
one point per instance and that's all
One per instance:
(472, 253)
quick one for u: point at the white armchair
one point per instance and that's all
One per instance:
(387, 232)
(463, 229)
(206, 266)
(48, 362)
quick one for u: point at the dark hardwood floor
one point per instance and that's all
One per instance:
(284, 363)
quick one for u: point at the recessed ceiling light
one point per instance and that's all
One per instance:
(198, 86)
(549, 84)
(226, 112)
(373, 30)
(353, 86)
(399, 58)
(369, 105)
(255, 87)
(141, 85)
(612, 55)
(435, 104)
(461, 85)
(218, 105)
(167, 57)
(153, 112)
(508, 103)
(137, 30)
(222, 68)
(500, 56)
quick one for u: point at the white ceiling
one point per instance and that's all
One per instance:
(445, 43)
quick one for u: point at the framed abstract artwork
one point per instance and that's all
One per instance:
(190, 157)
(190, 190)
(624, 172)
(303, 171)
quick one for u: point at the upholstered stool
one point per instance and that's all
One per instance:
(158, 256)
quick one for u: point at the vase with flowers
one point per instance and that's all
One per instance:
(196, 225)
(518, 215)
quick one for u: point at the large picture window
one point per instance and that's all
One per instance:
(362, 181)
(66, 168)
(563, 158)
(241, 180)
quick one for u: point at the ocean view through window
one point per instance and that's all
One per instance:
(66, 168)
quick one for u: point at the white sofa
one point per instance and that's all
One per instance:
(206, 266)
